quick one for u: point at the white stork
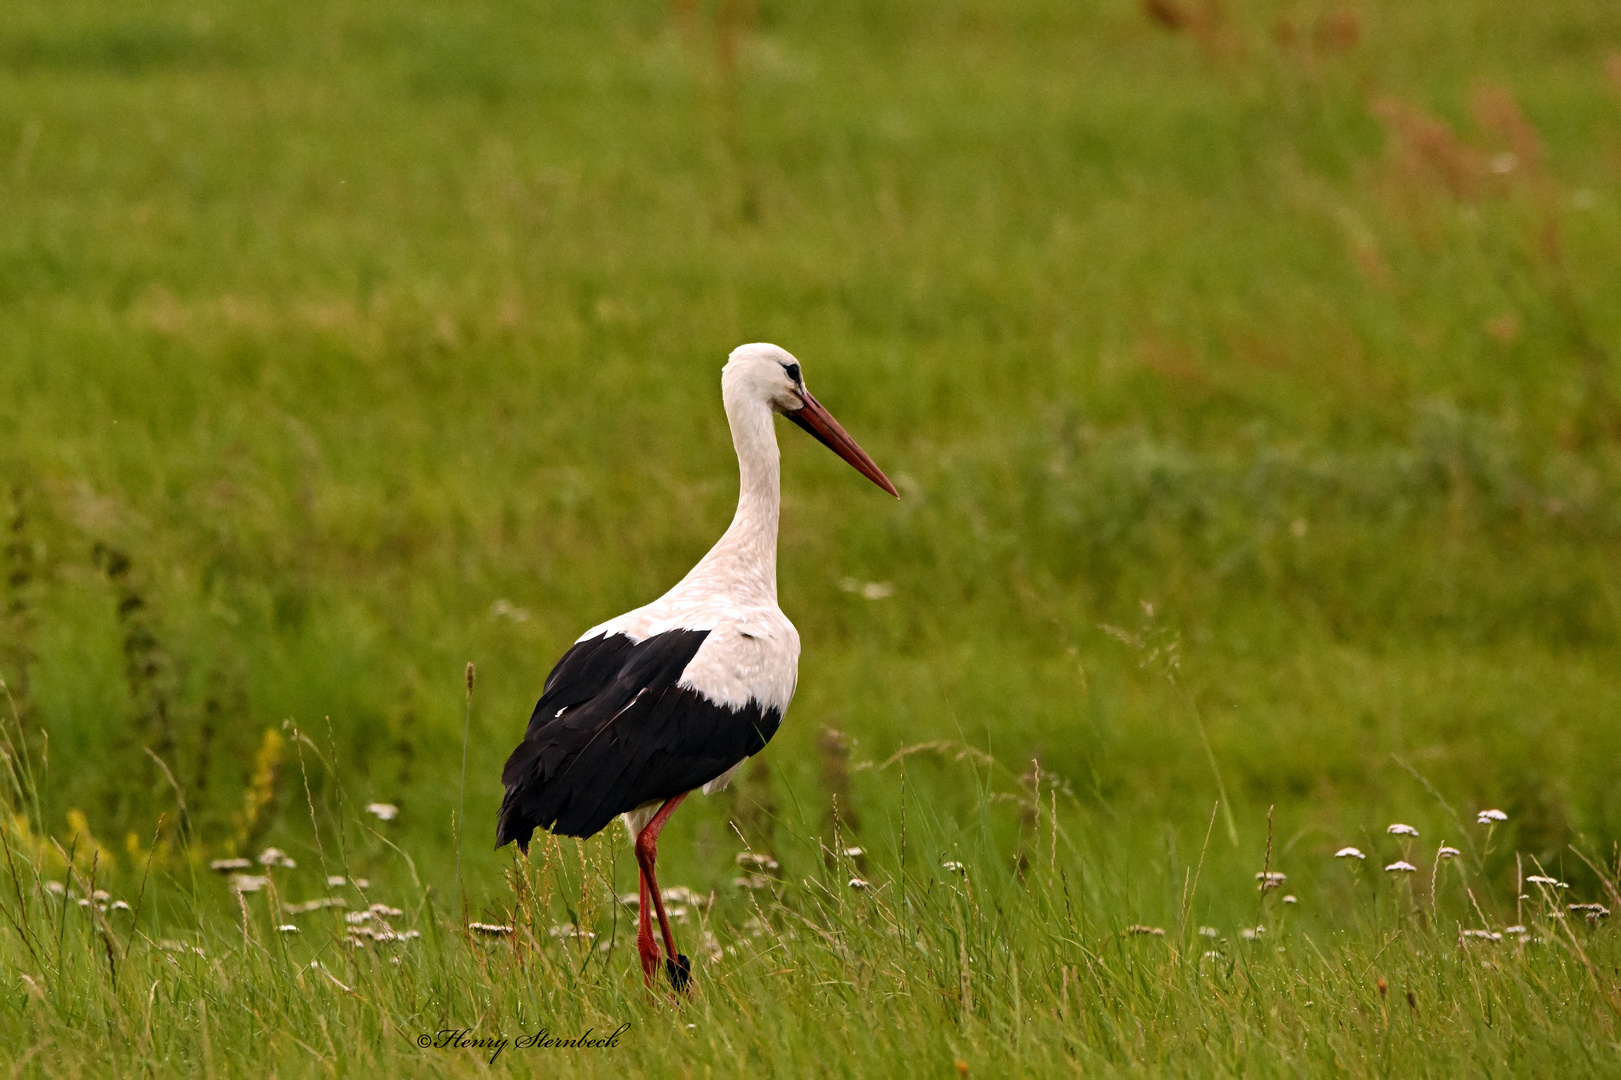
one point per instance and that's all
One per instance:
(676, 695)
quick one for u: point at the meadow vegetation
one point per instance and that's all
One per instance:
(1249, 373)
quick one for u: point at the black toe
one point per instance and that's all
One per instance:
(680, 972)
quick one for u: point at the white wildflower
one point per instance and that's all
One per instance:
(1270, 880)
(1349, 853)
(753, 860)
(568, 932)
(870, 590)
(680, 894)
(1483, 935)
(1401, 866)
(355, 918)
(1486, 817)
(55, 888)
(336, 881)
(288, 928)
(274, 856)
(506, 609)
(119, 905)
(248, 883)
(1447, 852)
(858, 883)
(1209, 931)
(1250, 934)
(385, 912)
(1539, 879)
(383, 811)
(492, 929)
(1291, 899)
(1399, 829)
(226, 866)
(954, 867)
(1149, 931)
(316, 905)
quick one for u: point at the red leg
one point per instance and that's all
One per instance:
(647, 851)
(644, 931)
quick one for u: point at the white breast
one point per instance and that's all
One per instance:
(751, 653)
(752, 659)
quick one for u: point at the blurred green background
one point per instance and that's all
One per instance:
(1248, 371)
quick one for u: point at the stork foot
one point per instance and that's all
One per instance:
(680, 972)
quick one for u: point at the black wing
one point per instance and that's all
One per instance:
(612, 731)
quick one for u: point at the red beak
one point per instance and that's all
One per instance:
(820, 423)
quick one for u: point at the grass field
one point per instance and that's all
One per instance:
(1249, 373)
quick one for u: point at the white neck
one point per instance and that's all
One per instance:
(742, 565)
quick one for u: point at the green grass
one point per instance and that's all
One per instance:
(1251, 388)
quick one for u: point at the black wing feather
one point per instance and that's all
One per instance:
(612, 731)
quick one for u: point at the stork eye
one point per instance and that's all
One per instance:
(793, 372)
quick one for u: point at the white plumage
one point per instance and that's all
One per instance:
(677, 694)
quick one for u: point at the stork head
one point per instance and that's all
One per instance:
(770, 375)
